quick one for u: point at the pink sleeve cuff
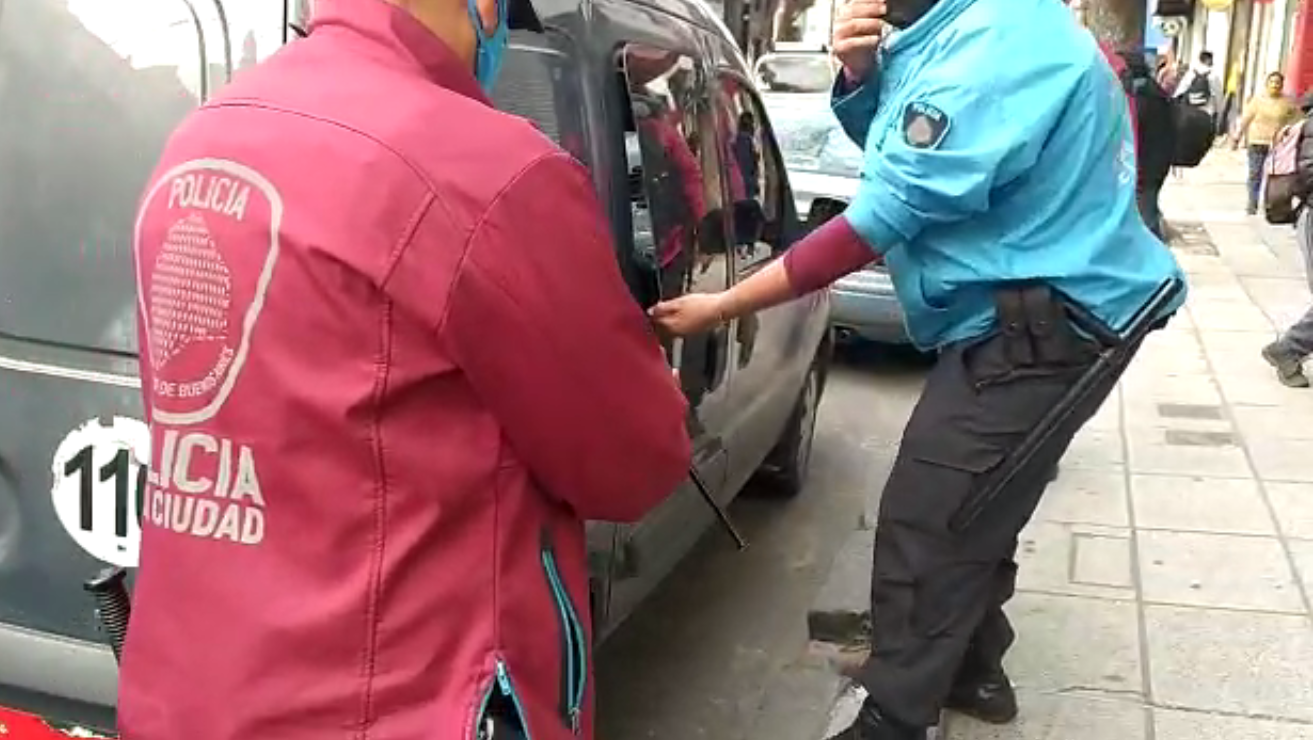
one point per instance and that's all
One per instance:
(824, 256)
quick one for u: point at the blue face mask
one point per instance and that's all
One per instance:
(489, 49)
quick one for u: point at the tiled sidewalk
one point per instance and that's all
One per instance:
(1165, 585)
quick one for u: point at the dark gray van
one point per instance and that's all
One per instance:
(651, 94)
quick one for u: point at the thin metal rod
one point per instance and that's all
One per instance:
(721, 514)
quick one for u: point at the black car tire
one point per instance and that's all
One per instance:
(785, 470)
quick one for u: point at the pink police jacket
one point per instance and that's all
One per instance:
(390, 368)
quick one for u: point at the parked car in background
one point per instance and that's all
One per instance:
(651, 95)
(794, 70)
(824, 164)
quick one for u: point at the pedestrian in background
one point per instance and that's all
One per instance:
(1264, 115)
(1289, 352)
(1002, 194)
(1156, 137)
(1200, 86)
(1169, 70)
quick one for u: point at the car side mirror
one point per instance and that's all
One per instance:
(823, 210)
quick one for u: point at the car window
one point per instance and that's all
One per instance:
(810, 137)
(90, 91)
(537, 82)
(795, 73)
(677, 195)
(756, 177)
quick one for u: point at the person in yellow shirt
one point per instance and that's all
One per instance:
(1264, 116)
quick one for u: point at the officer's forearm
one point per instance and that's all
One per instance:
(766, 288)
(824, 256)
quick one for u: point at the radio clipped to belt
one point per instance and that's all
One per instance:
(1035, 327)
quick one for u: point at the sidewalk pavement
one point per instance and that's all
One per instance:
(1165, 587)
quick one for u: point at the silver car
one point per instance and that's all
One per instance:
(823, 166)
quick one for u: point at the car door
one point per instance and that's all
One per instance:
(772, 349)
(679, 240)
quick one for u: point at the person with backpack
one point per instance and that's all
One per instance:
(1200, 87)
(1156, 134)
(1264, 116)
(1289, 182)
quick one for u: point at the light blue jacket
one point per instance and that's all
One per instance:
(1033, 175)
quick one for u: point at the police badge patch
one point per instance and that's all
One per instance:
(924, 125)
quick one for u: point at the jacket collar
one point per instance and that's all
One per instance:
(398, 37)
(926, 27)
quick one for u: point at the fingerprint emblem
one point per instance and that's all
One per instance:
(207, 242)
(190, 293)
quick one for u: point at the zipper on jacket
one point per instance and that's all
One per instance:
(501, 683)
(574, 648)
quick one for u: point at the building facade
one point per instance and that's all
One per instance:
(1249, 39)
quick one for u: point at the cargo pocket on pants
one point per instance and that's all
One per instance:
(950, 571)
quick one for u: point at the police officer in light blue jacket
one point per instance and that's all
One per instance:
(999, 183)
(998, 147)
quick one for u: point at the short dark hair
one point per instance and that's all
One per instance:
(1206, 57)
(1281, 78)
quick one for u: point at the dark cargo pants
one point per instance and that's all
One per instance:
(937, 596)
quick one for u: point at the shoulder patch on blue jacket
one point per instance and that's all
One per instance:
(924, 125)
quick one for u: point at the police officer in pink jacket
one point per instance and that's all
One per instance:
(390, 368)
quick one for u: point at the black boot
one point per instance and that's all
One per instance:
(989, 698)
(871, 724)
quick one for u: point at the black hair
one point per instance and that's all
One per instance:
(1206, 57)
(1281, 78)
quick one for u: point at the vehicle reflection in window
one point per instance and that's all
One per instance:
(159, 34)
(754, 164)
(755, 191)
(676, 199)
(93, 89)
(795, 73)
